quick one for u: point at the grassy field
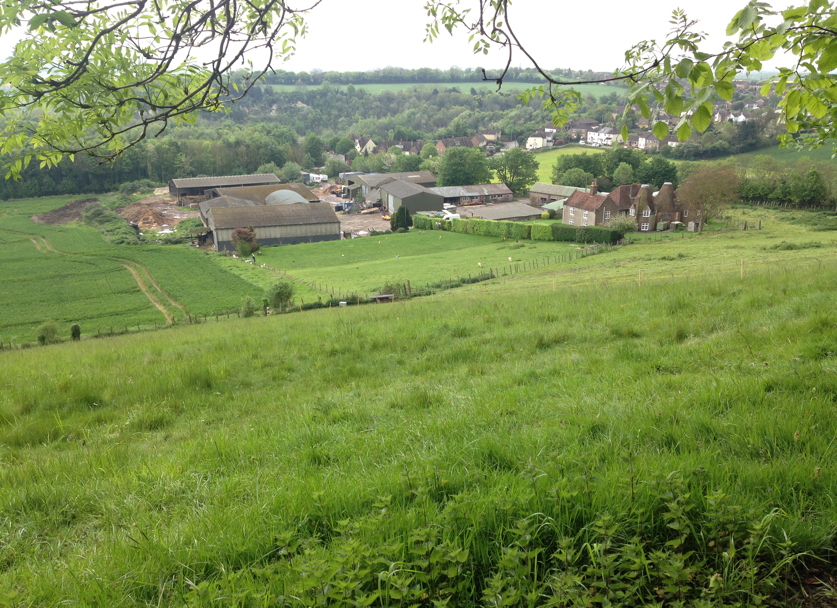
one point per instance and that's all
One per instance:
(70, 274)
(546, 160)
(584, 89)
(790, 155)
(669, 442)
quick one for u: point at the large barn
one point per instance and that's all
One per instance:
(196, 189)
(275, 224)
(258, 194)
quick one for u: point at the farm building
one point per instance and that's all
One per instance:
(280, 224)
(258, 194)
(542, 194)
(504, 211)
(475, 195)
(415, 197)
(371, 182)
(195, 189)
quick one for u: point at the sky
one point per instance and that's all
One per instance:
(362, 35)
(594, 34)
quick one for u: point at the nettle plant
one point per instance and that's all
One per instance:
(670, 549)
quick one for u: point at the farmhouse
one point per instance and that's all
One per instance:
(506, 211)
(195, 189)
(278, 224)
(474, 195)
(588, 208)
(415, 197)
(453, 142)
(541, 194)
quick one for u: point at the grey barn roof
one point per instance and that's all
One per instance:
(258, 194)
(284, 197)
(223, 201)
(554, 190)
(474, 190)
(376, 179)
(403, 189)
(227, 180)
(272, 215)
(504, 211)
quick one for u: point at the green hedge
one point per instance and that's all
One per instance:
(542, 232)
(497, 229)
(585, 234)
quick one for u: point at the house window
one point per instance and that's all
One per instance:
(585, 215)
(584, 222)
(607, 215)
(572, 211)
(633, 212)
(571, 222)
(644, 226)
(685, 213)
(646, 212)
(543, 199)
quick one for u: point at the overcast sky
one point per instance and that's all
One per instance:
(364, 35)
(593, 34)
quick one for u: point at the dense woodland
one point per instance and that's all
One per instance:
(275, 128)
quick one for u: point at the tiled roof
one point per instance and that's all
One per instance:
(585, 200)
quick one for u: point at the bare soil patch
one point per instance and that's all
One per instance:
(155, 213)
(71, 212)
(362, 222)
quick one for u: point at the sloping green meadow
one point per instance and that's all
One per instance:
(670, 444)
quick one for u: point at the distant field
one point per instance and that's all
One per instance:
(791, 155)
(366, 265)
(464, 87)
(547, 159)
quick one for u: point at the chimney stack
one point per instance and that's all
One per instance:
(594, 188)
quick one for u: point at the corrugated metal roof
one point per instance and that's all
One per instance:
(555, 190)
(376, 179)
(404, 189)
(223, 201)
(258, 194)
(554, 206)
(272, 215)
(284, 197)
(504, 211)
(473, 190)
(227, 180)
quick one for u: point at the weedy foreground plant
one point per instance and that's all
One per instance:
(669, 445)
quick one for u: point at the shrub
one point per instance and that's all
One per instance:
(423, 222)
(245, 235)
(280, 295)
(542, 232)
(75, 333)
(48, 333)
(401, 219)
(545, 215)
(401, 230)
(248, 307)
(115, 228)
(624, 224)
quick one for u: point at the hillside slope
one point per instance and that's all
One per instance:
(573, 445)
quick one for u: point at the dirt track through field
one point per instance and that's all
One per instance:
(38, 247)
(171, 300)
(147, 293)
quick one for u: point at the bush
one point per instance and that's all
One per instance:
(115, 228)
(545, 215)
(245, 235)
(622, 223)
(248, 307)
(280, 295)
(401, 230)
(423, 222)
(48, 333)
(542, 232)
(75, 333)
(243, 248)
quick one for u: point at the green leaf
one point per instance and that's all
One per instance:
(733, 25)
(701, 75)
(643, 107)
(624, 132)
(64, 18)
(684, 132)
(702, 118)
(792, 126)
(674, 105)
(793, 103)
(725, 90)
(765, 89)
(816, 107)
(37, 21)
(828, 59)
(661, 129)
(684, 68)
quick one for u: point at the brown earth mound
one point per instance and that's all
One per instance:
(155, 213)
(71, 212)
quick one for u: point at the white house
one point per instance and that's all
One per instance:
(539, 139)
(604, 136)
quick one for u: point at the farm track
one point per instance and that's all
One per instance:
(136, 269)
(145, 290)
